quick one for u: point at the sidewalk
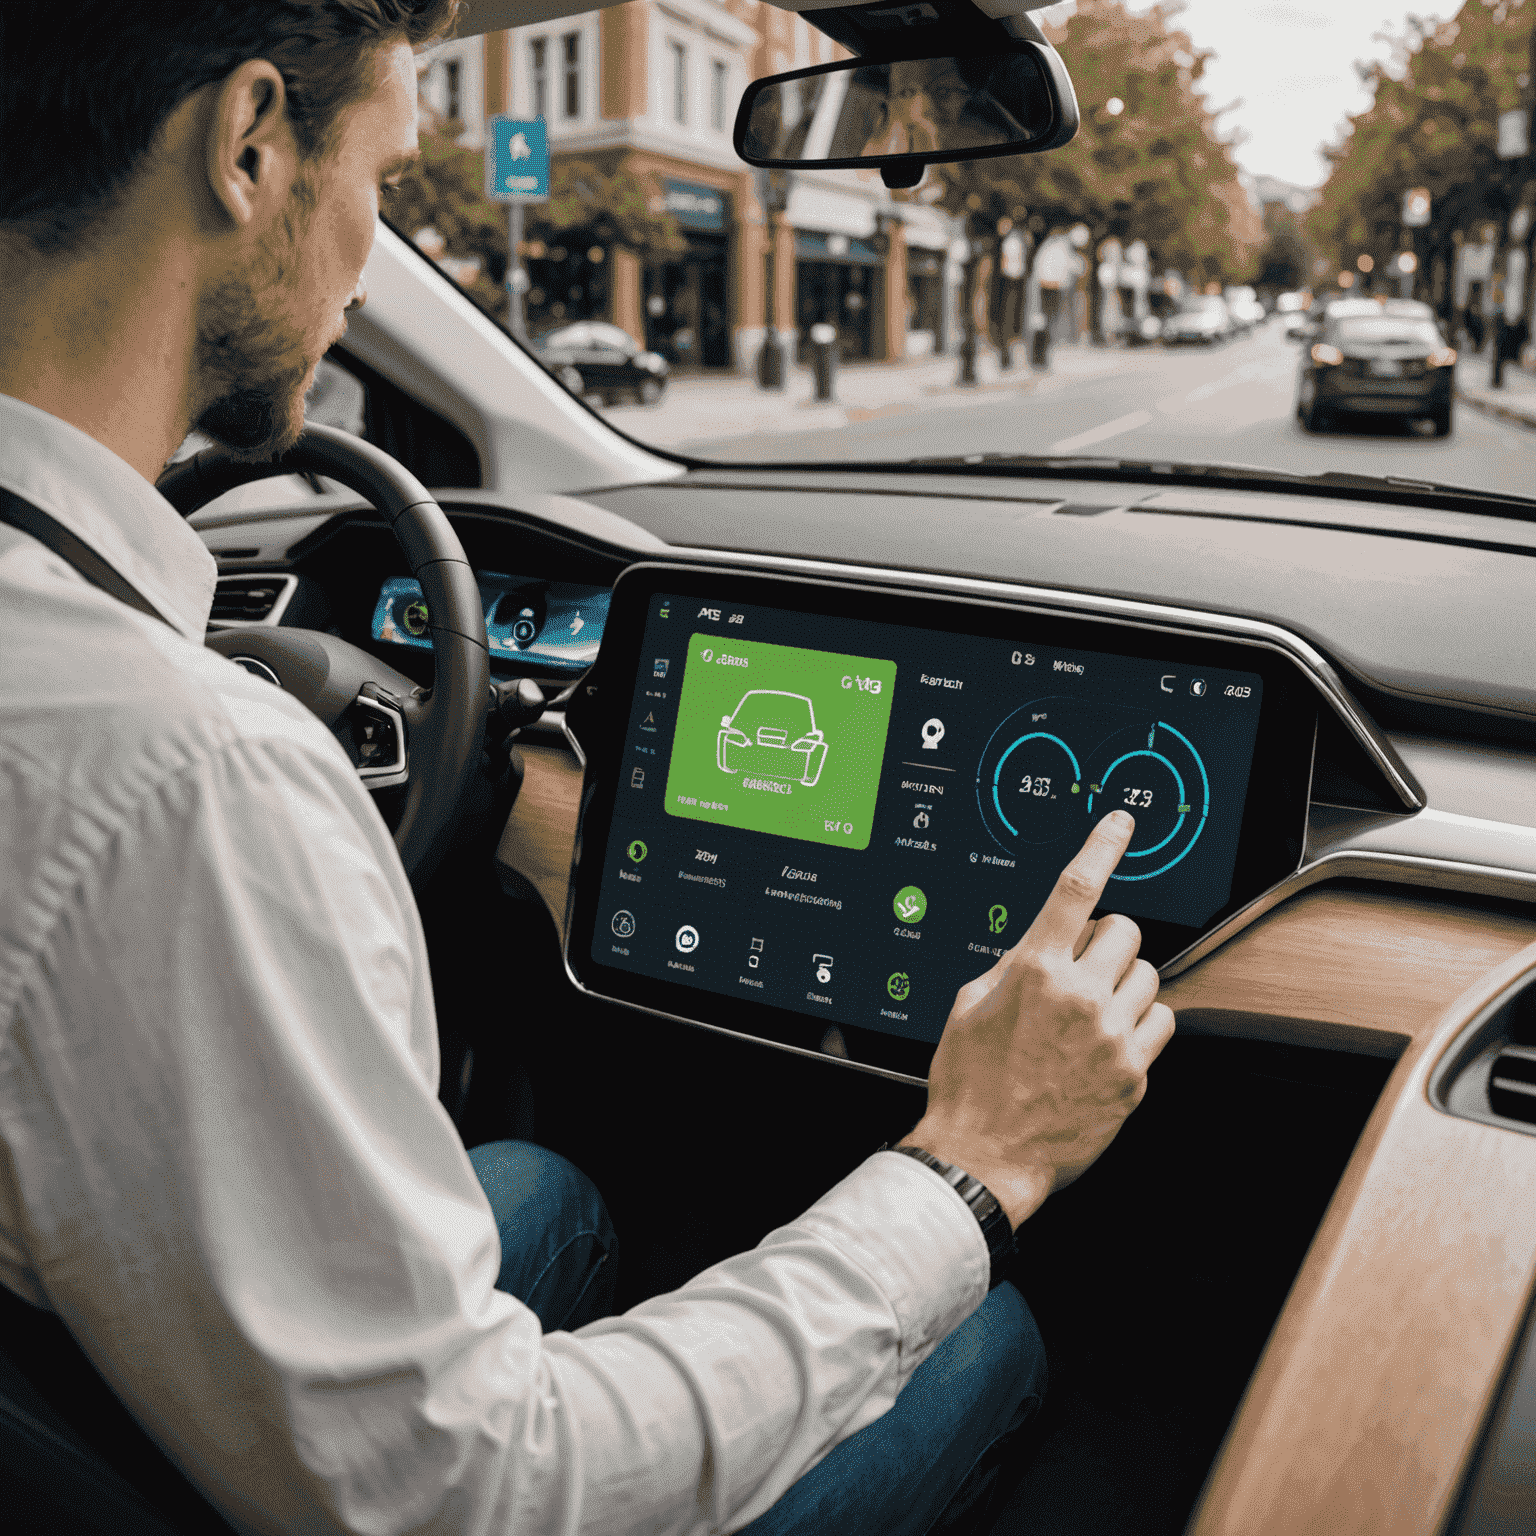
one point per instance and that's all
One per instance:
(700, 409)
(1516, 401)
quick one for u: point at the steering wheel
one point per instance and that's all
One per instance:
(395, 732)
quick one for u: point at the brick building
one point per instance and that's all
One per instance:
(652, 87)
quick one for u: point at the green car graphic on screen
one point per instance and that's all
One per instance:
(773, 734)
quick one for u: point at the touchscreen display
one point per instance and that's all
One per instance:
(850, 819)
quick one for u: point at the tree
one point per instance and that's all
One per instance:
(1433, 123)
(1147, 162)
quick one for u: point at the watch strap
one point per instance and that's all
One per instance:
(996, 1229)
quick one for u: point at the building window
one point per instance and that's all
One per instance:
(571, 47)
(538, 51)
(717, 96)
(679, 82)
(454, 105)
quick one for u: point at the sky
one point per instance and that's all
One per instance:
(1291, 64)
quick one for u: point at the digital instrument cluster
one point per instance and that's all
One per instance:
(558, 624)
(836, 810)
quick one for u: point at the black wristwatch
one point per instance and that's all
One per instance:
(992, 1218)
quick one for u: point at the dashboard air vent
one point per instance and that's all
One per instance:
(1512, 1084)
(251, 599)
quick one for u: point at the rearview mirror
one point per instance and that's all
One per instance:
(904, 114)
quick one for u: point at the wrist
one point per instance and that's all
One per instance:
(1019, 1190)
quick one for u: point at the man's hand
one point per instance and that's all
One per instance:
(1045, 1055)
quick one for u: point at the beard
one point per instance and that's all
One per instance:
(252, 362)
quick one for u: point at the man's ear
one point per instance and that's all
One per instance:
(252, 155)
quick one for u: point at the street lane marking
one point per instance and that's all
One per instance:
(1113, 428)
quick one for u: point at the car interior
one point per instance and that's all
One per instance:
(1295, 1293)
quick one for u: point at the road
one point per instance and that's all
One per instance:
(1235, 403)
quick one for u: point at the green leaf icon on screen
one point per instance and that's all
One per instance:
(910, 904)
(636, 851)
(898, 984)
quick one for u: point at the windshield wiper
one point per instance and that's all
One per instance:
(1333, 482)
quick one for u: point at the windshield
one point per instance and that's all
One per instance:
(1247, 188)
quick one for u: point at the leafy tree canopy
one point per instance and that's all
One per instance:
(1433, 123)
(1155, 170)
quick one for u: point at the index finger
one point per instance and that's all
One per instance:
(1080, 885)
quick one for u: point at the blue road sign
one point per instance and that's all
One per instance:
(517, 160)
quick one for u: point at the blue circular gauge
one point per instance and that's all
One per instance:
(1156, 774)
(1029, 784)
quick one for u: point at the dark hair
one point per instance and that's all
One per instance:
(85, 88)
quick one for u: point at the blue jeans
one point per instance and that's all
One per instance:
(920, 1467)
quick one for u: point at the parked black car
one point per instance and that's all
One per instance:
(592, 357)
(1385, 358)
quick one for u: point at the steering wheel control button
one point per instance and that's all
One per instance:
(687, 939)
(623, 925)
(910, 905)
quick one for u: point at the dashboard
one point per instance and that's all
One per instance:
(1356, 872)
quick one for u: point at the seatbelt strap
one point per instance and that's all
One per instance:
(48, 530)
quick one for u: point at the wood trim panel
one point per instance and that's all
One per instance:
(1363, 971)
(1365, 1407)
(540, 835)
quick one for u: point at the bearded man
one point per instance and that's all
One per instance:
(250, 1277)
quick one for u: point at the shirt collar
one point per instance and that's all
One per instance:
(109, 505)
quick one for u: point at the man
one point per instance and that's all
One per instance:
(227, 1184)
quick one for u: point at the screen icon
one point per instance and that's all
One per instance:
(823, 964)
(1197, 687)
(910, 904)
(636, 851)
(933, 734)
(659, 667)
(623, 924)
(687, 939)
(920, 820)
(637, 779)
(899, 985)
(756, 956)
(997, 918)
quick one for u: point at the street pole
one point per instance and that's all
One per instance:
(517, 320)
(773, 194)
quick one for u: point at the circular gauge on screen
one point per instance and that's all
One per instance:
(1050, 769)
(413, 618)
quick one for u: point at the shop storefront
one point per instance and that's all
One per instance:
(687, 301)
(839, 279)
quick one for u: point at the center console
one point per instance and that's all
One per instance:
(812, 811)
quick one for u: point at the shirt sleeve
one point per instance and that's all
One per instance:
(238, 1189)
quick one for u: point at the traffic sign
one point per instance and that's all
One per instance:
(517, 160)
(1416, 207)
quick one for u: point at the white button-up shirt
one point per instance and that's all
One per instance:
(224, 1162)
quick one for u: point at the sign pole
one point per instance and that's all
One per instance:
(517, 283)
(516, 172)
